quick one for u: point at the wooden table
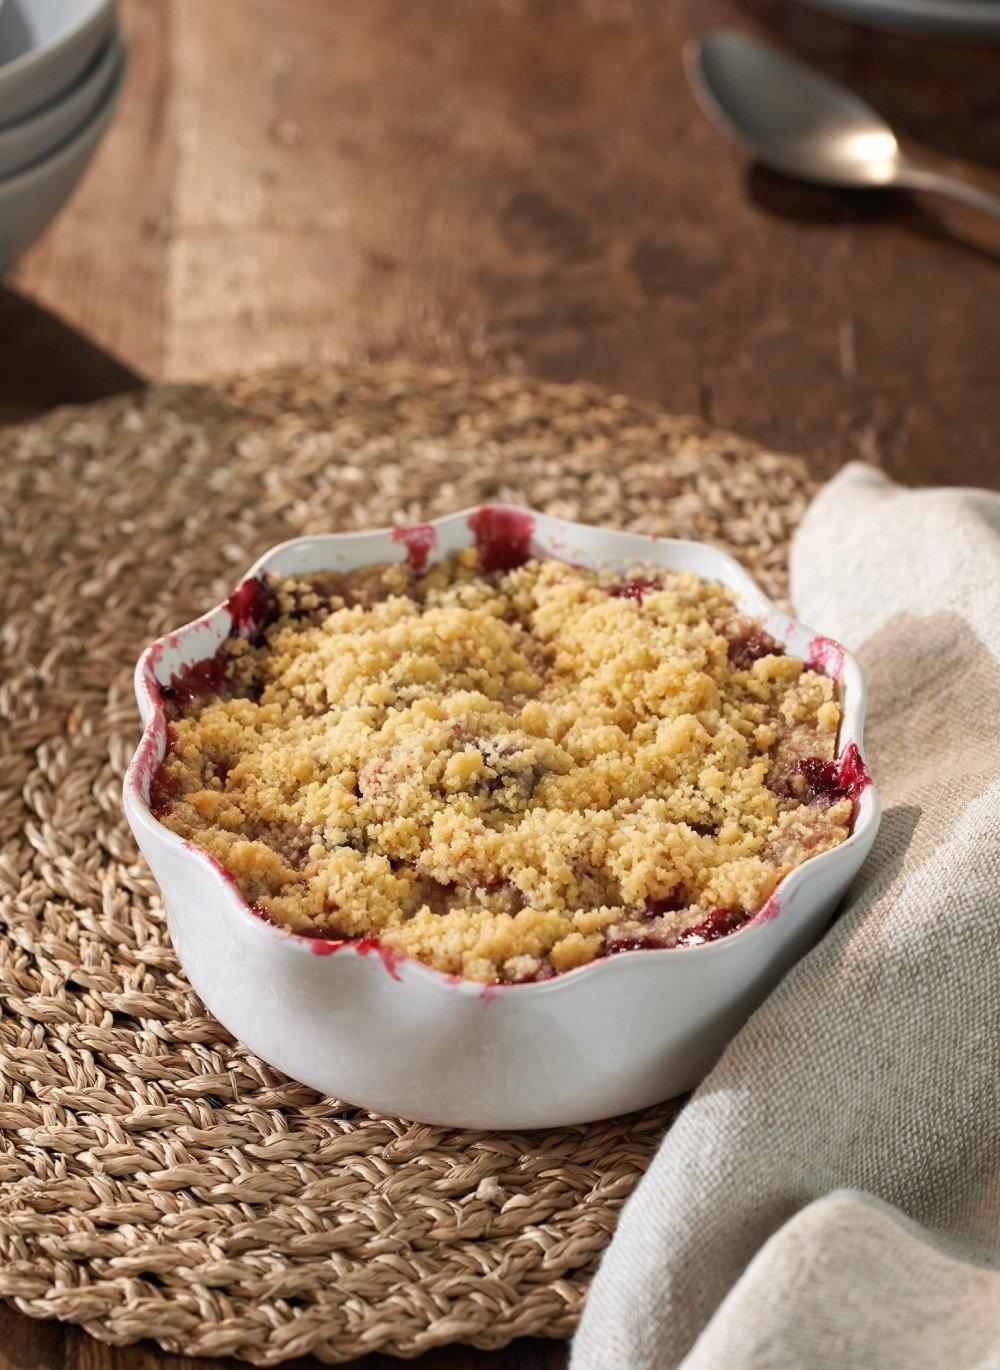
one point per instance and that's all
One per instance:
(523, 184)
(515, 184)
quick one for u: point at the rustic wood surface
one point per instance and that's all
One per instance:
(524, 185)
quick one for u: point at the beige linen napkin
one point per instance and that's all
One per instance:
(830, 1196)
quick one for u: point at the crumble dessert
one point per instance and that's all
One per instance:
(503, 771)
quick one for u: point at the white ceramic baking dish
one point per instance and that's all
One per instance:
(391, 1034)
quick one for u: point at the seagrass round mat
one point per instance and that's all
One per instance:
(156, 1179)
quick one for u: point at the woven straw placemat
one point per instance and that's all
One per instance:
(156, 1179)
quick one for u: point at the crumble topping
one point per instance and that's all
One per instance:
(504, 773)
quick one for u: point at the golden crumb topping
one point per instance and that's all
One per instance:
(504, 774)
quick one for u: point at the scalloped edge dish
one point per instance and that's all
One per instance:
(452, 1051)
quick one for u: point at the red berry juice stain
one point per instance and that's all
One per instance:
(503, 537)
(656, 908)
(192, 682)
(846, 778)
(419, 539)
(364, 946)
(189, 683)
(227, 876)
(253, 606)
(328, 939)
(153, 659)
(770, 908)
(161, 795)
(826, 656)
(634, 589)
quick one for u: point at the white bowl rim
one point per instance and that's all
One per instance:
(66, 150)
(853, 691)
(99, 71)
(94, 14)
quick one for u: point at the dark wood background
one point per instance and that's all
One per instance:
(516, 184)
(524, 184)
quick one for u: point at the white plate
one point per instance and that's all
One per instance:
(960, 18)
(37, 135)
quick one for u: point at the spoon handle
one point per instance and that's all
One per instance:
(920, 178)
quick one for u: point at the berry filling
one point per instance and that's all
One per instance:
(751, 646)
(719, 923)
(503, 537)
(634, 588)
(253, 607)
(162, 787)
(828, 781)
(194, 682)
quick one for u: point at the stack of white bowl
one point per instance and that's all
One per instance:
(61, 64)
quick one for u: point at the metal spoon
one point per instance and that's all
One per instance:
(798, 122)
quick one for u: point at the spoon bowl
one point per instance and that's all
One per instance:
(798, 122)
(791, 117)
